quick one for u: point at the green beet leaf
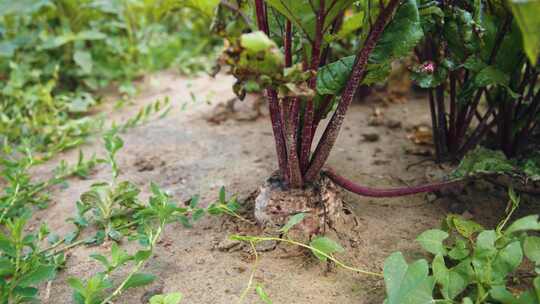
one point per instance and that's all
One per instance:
(526, 13)
(398, 40)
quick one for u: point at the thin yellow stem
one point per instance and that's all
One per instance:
(339, 263)
(253, 270)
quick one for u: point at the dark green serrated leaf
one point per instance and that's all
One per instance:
(397, 40)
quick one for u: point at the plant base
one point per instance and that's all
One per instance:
(320, 201)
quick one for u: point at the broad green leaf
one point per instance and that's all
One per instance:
(325, 245)
(464, 227)
(91, 198)
(303, 15)
(432, 241)
(507, 260)
(293, 221)
(460, 250)
(530, 222)
(398, 39)
(483, 161)
(59, 41)
(490, 75)
(351, 24)
(38, 275)
(22, 7)
(526, 13)
(26, 293)
(332, 78)
(256, 42)
(485, 243)
(262, 294)
(453, 281)
(139, 279)
(76, 284)
(102, 259)
(84, 60)
(407, 284)
(400, 36)
(467, 300)
(194, 202)
(89, 35)
(171, 298)
(531, 248)
(7, 268)
(119, 256)
(142, 255)
(222, 195)
(532, 168)
(207, 7)
(502, 295)
(7, 49)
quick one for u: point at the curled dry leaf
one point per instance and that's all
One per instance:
(421, 135)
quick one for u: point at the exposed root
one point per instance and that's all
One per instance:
(375, 192)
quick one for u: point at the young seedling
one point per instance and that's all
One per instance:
(470, 264)
(21, 191)
(151, 220)
(23, 265)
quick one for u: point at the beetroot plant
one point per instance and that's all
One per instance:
(282, 47)
(478, 61)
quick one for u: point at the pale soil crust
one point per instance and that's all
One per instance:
(186, 155)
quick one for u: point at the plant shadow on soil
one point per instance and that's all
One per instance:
(187, 155)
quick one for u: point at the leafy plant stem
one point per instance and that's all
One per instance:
(337, 262)
(137, 267)
(252, 275)
(11, 203)
(65, 248)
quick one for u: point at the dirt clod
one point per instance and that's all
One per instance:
(371, 137)
(228, 245)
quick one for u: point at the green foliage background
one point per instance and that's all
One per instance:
(55, 54)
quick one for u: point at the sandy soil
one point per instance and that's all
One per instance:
(187, 155)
